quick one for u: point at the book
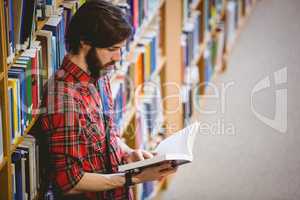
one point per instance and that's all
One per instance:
(16, 112)
(17, 160)
(183, 140)
(29, 146)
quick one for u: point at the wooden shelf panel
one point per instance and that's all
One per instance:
(127, 119)
(200, 54)
(30, 126)
(195, 5)
(3, 162)
(20, 139)
(158, 70)
(41, 24)
(1, 75)
(15, 58)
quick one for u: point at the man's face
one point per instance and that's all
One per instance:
(101, 61)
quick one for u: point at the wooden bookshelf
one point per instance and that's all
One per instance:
(2, 75)
(199, 54)
(17, 56)
(41, 24)
(129, 115)
(20, 139)
(160, 66)
(195, 5)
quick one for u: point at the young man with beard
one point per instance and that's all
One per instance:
(81, 147)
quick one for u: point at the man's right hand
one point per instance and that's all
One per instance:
(154, 173)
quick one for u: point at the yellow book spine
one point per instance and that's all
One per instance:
(13, 83)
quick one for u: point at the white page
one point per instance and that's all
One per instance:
(180, 143)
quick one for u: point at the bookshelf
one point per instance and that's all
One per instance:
(169, 20)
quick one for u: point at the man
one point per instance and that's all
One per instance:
(76, 128)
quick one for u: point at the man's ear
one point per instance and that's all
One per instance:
(85, 47)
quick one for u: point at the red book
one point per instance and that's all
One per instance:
(34, 78)
(136, 14)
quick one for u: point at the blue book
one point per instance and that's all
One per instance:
(27, 22)
(62, 49)
(148, 188)
(19, 73)
(53, 25)
(11, 25)
(11, 126)
(16, 159)
(54, 55)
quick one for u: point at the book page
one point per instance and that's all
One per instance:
(180, 142)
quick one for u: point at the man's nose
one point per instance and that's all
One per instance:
(117, 56)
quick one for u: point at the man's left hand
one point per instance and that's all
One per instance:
(138, 154)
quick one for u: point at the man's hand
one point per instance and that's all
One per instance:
(154, 173)
(137, 155)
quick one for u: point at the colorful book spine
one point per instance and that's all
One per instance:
(190, 40)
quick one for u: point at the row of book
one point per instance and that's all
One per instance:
(135, 75)
(25, 82)
(33, 66)
(212, 62)
(190, 40)
(190, 48)
(149, 121)
(141, 11)
(25, 167)
(139, 83)
(218, 36)
(47, 8)
(122, 87)
(21, 23)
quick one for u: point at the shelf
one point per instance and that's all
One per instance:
(41, 24)
(158, 70)
(20, 139)
(15, 58)
(159, 187)
(3, 162)
(195, 5)
(241, 25)
(127, 119)
(200, 53)
(1, 75)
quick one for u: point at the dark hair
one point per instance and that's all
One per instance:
(98, 23)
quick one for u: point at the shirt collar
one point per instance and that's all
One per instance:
(76, 72)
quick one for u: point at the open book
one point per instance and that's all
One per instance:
(177, 148)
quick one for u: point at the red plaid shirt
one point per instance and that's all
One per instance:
(73, 121)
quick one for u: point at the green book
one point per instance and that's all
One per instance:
(26, 63)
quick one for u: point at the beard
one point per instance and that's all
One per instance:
(96, 67)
